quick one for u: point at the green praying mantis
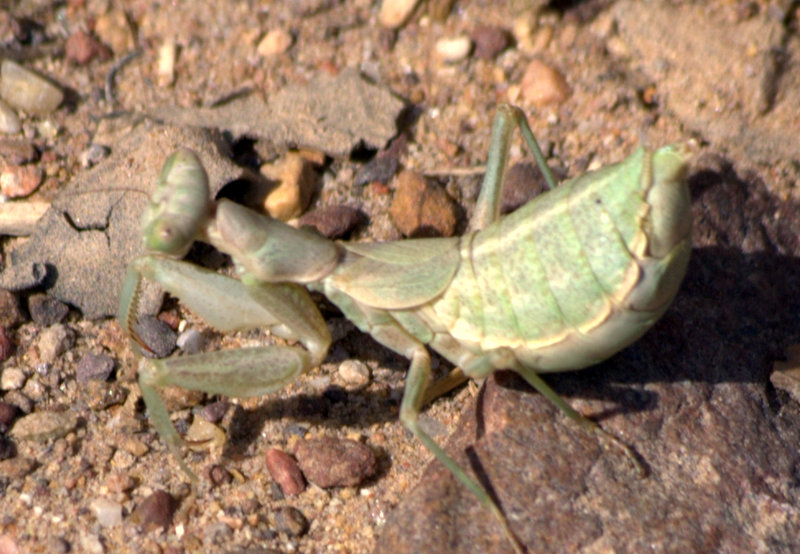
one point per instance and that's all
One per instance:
(563, 283)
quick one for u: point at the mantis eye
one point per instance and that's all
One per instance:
(164, 237)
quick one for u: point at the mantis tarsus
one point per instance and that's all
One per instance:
(563, 283)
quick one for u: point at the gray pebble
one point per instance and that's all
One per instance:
(378, 169)
(215, 411)
(93, 155)
(291, 521)
(157, 335)
(94, 367)
(191, 341)
(46, 310)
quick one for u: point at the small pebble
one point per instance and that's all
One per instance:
(11, 313)
(81, 48)
(167, 54)
(102, 395)
(9, 120)
(107, 512)
(291, 521)
(25, 90)
(218, 475)
(332, 221)
(54, 341)
(218, 533)
(94, 367)
(120, 481)
(20, 181)
(178, 398)
(215, 411)
(377, 170)
(284, 470)
(543, 85)
(13, 378)
(453, 50)
(306, 8)
(354, 372)
(155, 511)
(17, 467)
(395, 12)
(157, 335)
(205, 435)
(58, 545)
(17, 152)
(421, 208)
(297, 182)
(524, 182)
(332, 462)
(8, 413)
(113, 29)
(191, 341)
(6, 344)
(46, 310)
(17, 398)
(277, 41)
(132, 445)
(7, 448)
(489, 41)
(93, 155)
(43, 426)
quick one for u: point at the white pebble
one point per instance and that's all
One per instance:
(453, 50)
(13, 378)
(26, 90)
(107, 512)
(191, 341)
(9, 120)
(277, 41)
(167, 53)
(395, 12)
(354, 372)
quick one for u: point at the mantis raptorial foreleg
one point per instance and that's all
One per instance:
(228, 304)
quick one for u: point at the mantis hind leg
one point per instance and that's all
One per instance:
(590, 426)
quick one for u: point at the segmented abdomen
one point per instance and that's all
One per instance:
(556, 268)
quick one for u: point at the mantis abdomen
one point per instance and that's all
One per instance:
(581, 271)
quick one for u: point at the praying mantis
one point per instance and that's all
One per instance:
(561, 284)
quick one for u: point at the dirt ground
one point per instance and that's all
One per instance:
(617, 74)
